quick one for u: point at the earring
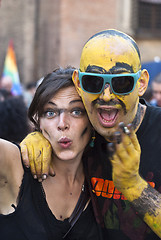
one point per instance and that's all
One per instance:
(93, 139)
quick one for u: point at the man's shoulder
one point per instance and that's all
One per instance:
(154, 112)
(151, 109)
(150, 126)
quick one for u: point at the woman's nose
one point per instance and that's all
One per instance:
(63, 122)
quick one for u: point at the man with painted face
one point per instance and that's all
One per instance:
(110, 82)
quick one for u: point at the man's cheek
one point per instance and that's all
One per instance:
(87, 107)
(88, 100)
(127, 101)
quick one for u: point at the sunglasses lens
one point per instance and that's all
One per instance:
(92, 84)
(123, 84)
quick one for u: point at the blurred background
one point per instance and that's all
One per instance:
(50, 33)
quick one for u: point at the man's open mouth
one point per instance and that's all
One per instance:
(108, 116)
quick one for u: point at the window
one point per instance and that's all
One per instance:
(148, 23)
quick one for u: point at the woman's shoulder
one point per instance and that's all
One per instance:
(11, 174)
(10, 158)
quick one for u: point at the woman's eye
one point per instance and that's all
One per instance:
(50, 114)
(77, 112)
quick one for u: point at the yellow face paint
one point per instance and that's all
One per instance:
(105, 118)
(110, 54)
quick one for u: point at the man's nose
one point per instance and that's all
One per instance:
(107, 93)
(63, 122)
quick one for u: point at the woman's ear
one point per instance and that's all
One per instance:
(75, 78)
(143, 82)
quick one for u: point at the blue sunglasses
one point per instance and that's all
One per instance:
(121, 84)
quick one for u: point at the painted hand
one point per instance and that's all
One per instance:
(36, 154)
(125, 160)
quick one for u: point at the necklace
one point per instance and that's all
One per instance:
(82, 189)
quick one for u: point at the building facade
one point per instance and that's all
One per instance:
(51, 33)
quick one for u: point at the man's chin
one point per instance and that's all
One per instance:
(107, 133)
(109, 138)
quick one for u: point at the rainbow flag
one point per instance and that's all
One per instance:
(11, 71)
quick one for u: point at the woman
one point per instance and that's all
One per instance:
(60, 207)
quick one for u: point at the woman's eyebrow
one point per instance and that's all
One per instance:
(71, 102)
(76, 100)
(52, 103)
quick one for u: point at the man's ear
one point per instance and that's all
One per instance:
(75, 78)
(143, 82)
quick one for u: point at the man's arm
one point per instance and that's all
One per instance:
(36, 153)
(145, 199)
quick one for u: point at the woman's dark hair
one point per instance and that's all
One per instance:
(51, 84)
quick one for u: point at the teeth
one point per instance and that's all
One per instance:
(108, 115)
(107, 121)
(106, 110)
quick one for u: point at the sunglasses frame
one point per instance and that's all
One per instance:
(107, 79)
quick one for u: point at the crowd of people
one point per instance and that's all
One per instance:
(96, 145)
(14, 123)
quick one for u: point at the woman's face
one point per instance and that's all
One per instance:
(65, 124)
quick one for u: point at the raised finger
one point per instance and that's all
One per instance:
(46, 161)
(130, 143)
(121, 151)
(24, 154)
(129, 131)
(135, 141)
(32, 164)
(38, 158)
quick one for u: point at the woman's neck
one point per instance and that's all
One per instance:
(62, 191)
(68, 170)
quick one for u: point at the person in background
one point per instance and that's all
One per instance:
(156, 91)
(14, 124)
(28, 92)
(6, 83)
(31, 88)
(148, 95)
(4, 94)
(125, 184)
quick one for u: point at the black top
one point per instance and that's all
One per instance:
(24, 223)
(111, 208)
(33, 220)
